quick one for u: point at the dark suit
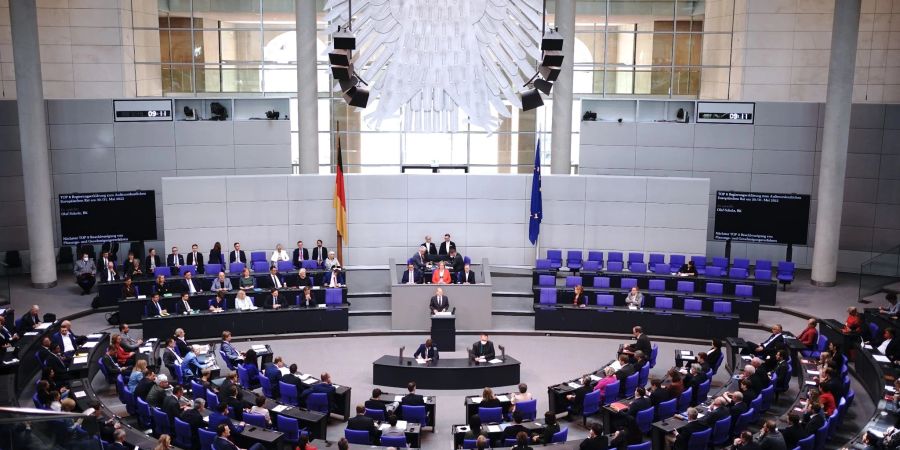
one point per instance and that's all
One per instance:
(376, 405)
(292, 379)
(419, 262)
(792, 435)
(112, 367)
(239, 257)
(429, 352)
(196, 262)
(715, 415)
(812, 423)
(467, 278)
(773, 440)
(736, 410)
(171, 260)
(365, 423)
(172, 407)
(143, 388)
(58, 339)
(443, 306)
(157, 262)
(28, 322)
(311, 303)
(417, 277)
(319, 255)
(430, 248)
(893, 349)
(323, 388)
(511, 431)
(412, 399)
(303, 282)
(685, 432)
(296, 257)
(642, 343)
(221, 443)
(659, 395)
(193, 418)
(594, 443)
(58, 365)
(772, 344)
(455, 263)
(486, 350)
(638, 404)
(106, 276)
(445, 247)
(270, 301)
(269, 283)
(183, 347)
(170, 360)
(215, 257)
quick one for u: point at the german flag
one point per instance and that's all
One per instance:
(340, 197)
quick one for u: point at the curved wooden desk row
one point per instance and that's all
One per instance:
(131, 310)
(660, 322)
(765, 290)
(110, 292)
(745, 307)
(445, 373)
(207, 325)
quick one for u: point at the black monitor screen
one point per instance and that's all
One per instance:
(762, 217)
(107, 217)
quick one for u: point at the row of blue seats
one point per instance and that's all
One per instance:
(741, 290)
(549, 297)
(234, 268)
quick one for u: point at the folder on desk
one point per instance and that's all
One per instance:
(618, 406)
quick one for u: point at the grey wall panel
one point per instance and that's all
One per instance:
(205, 238)
(145, 134)
(689, 191)
(312, 212)
(83, 160)
(13, 213)
(561, 212)
(436, 210)
(849, 260)
(9, 137)
(884, 238)
(562, 236)
(375, 256)
(781, 183)
(856, 238)
(888, 216)
(132, 159)
(785, 138)
(423, 186)
(313, 188)
(499, 255)
(676, 216)
(371, 211)
(615, 214)
(664, 158)
(195, 215)
(892, 117)
(665, 135)
(863, 165)
(376, 235)
(254, 132)
(783, 162)
(722, 160)
(81, 136)
(259, 238)
(662, 173)
(310, 233)
(888, 168)
(82, 182)
(416, 232)
(14, 238)
(82, 111)
(614, 172)
(675, 240)
(867, 116)
(891, 142)
(609, 133)
(376, 186)
(205, 173)
(856, 214)
(609, 157)
(497, 211)
(264, 171)
(10, 164)
(865, 140)
(858, 190)
(787, 114)
(495, 235)
(204, 132)
(204, 157)
(142, 180)
(9, 113)
(250, 156)
(616, 189)
(614, 238)
(725, 181)
(889, 192)
(556, 187)
(498, 187)
(253, 188)
(194, 190)
(258, 212)
(716, 135)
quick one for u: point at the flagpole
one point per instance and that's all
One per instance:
(337, 231)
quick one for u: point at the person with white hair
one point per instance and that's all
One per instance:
(419, 260)
(332, 261)
(280, 254)
(158, 392)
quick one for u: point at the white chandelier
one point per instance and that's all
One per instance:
(433, 60)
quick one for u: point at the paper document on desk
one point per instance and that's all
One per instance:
(206, 419)
(890, 388)
(31, 333)
(79, 394)
(384, 426)
(398, 398)
(420, 361)
(476, 399)
(867, 346)
(43, 326)
(259, 348)
(574, 385)
(279, 408)
(401, 424)
(91, 344)
(881, 358)
(80, 360)
(284, 371)
(594, 377)
(503, 398)
(813, 372)
(443, 313)
(616, 365)
(494, 428)
(809, 383)
(95, 336)
(146, 349)
(495, 361)
(687, 353)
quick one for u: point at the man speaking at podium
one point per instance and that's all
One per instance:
(439, 302)
(483, 350)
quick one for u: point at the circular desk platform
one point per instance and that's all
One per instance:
(446, 373)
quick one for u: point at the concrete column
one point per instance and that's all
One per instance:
(33, 139)
(833, 166)
(307, 95)
(561, 137)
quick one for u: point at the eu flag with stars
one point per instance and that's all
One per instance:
(537, 205)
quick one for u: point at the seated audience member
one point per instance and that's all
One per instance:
(854, 323)
(412, 399)
(306, 299)
(230, 352)
(794, 432)
(160, 286)
(641, 342)
(439, 302)
(195, 258)
(813, 418)
(134, 269)
(772, 344)
(522, 396)
(634, 299)
(770, 438)
(145, 385)
(223, 441)
(411, 275)
(446, 245)
(237, 255)
(279, 255)
(429, 246)
(7, 338)
(334, 278)
(184, 304)
(512, 431)
(220, 417)
(745, 442)
(609, 376)
(716, 412)
(361, 422)
(176, 403)
(85, 273)
(300, 254)
(640, 402)
(109, 273)
(483, 349)
(894, 308)
(826, 399)
(441, 275)
(123, 356)
(420, 260)
(274, 300)
(137, 374)
(221, 283)
(551, 427)
(393, 429)
(319, 253)
(129, 263)
(274, 280)
(579, 299)
(375, 403)
(657, 393)
(259, 407)
(111, 364)
(687, 270)
(174, 259)
(809, 336)
(104, 259)
(246, 281)
(158, 392)
(325, 386)
(249, 364)
(272, 372)
(475, 431)
(66, 339)
(683, 435)
(467, 276)
(596, 440)
(189, 286)
(488, 399)
(30, 320)
(242, 302)
(890, 346)
(331, 261)
(128, 288)
(191, 366)
(215, 255)
(152, 261)
(193, 416)
(455, 261)
(218, 303)
(304, 279)
(427, 351)
(171, 357)
(626, 435)
(292, 378)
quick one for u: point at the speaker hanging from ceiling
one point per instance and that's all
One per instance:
(548, 70)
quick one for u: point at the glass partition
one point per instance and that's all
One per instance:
(880, 274)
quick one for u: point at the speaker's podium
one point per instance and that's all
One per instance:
(443, 330)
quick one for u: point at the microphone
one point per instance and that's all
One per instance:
(502, 352)
(401, 353)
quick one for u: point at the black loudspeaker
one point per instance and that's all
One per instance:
(552, 41)
(357, 96)
(342, 72)
(344, 40)
(543, 86)
(340, 57)
(549, 73)
(552, 58)
(531, 99)
(218, 111)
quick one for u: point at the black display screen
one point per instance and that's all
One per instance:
(762, 217)
(107, 217)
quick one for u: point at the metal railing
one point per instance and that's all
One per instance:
(880, 273)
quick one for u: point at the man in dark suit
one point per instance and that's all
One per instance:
(736, 405)
(119, 443)
(718, 411)
(319, 253)
(455, 261)
(172, 403)
(794, 432)
(684, 433)
(108, 273)
(7, 337)
(152, 261)
(59, 363)
(770, 438)
(174, 259)
(439, 302)
(112, 366)
(273, 373)
(596, 440)
(813, 419)
(483, 348)
(376, 403)
(466, 276)
(274, 300)
(66, 339)
(412, 399)
(625, 370)
(190, 285)
(430, 248)
(657, 393)
(274, 280)
(324, 387)
(195, 258)
(511, 431)
(171, 358)
(427, 351)
(143, 387)
(411, 275)
(640, 403)
(890, 346)
(772, 344)
(237, 255)
(104, 259)
(446, 246)
(292, 378)
(362, 422)
(194, 417)
(641, 342)
(304, 279)
(30, 320)
(300, 254)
